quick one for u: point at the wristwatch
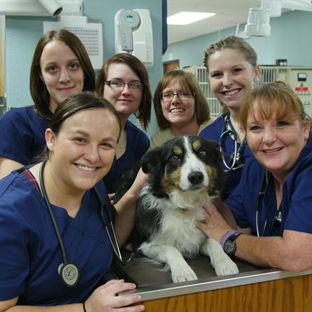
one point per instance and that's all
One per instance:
(229, 245)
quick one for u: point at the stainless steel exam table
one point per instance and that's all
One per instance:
(253, 289)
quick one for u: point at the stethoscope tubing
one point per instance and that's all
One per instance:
(237, 150)
(105, 218)
(54, 222)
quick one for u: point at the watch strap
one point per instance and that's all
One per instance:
(226, 236)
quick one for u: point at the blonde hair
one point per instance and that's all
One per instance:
(235, 43)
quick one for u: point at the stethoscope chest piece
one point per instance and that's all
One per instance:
(235, 160)
(69, 274)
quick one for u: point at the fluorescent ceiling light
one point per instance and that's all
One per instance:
(185, 18)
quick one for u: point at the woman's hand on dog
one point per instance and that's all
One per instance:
(213, 225)
(139, 182)
(125, 208)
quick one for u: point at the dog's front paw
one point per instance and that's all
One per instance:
(226, 267)
(183, 274)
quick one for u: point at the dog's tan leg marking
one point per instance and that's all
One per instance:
(221, 262)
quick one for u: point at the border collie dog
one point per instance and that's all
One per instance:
(184, 174)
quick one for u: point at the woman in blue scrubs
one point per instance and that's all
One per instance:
(60, 67)
(57, 241)
(124, 81)
(272, 203)
(232, 73)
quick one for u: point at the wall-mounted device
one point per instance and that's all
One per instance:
(52, 6)
(133, 34)
(129, 21)
(91, 35)
(40, 7)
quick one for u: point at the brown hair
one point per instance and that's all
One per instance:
(235, 43)
(39, 92)
(74, 104)
(272, 99)
(189, 82)
(144, 112)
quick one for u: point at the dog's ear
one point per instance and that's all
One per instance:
(214, 151)
(151, 159)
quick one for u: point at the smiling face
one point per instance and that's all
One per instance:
(276, 142)
(61, 72)
(84, 150)
(231, 76)
(178, 111)
(125, 100)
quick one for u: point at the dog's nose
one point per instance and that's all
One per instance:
(196, 177)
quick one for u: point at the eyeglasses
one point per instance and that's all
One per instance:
(183, 96)
(118, 85)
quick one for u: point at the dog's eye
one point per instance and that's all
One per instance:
(202, 153)
(174, 158)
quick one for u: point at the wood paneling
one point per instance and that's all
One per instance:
(170, 65)
(283, 295)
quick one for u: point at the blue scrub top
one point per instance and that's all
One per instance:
(30, 251)
(296, 201)
(137, 144)
(22, 134)
(213, 132)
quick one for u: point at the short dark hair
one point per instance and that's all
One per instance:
(144, 113)
(76, 103)
(39, 92)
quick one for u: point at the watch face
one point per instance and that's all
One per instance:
(229, 247)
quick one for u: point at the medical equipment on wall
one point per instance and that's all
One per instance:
(40, 7)
(90, 34)
(298, 78)
(134, 34)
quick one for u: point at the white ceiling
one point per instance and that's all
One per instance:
(229, 13)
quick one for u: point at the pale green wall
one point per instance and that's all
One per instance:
(290, 39)
(22, 34)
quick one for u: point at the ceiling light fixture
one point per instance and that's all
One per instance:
(258, 23)
(185, 18)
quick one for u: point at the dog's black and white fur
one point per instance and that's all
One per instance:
(185, 173)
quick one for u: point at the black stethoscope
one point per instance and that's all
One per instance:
(277, 220)
(235, 159)
(68, 271)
